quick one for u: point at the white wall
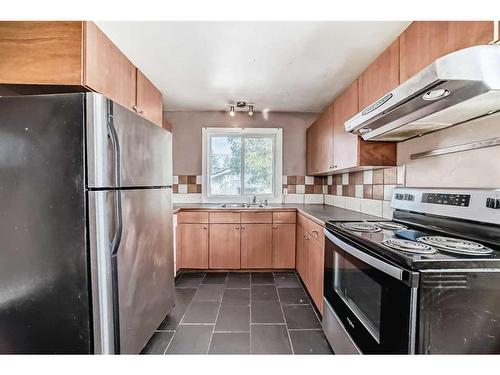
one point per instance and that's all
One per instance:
(469, 169)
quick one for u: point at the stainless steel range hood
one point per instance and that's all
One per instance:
(455, 88)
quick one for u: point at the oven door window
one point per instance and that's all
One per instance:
(362, 293)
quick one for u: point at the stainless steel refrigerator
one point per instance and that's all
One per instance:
(86, 259)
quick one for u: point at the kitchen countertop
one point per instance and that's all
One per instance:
(320, 212)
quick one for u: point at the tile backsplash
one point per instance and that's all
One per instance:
(365, 191)
(299, 189)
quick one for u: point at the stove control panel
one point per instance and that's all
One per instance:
(493, 203)
(481, 205)
(462, 200)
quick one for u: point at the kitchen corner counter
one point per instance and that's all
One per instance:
(318, 212)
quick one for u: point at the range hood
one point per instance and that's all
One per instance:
(455, 88)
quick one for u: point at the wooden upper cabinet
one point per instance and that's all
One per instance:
(319, 144)
(78, 56)
(149, 101)
(41, 52)
(107, 70)
(425, 41)
(256, 246)
(345, 145)
(381, 77)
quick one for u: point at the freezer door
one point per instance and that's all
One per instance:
(44, 298)
(132, 261)
(120, 141)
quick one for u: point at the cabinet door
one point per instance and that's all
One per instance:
(380, 77)
(256, 245)
(345, 145)
(284, 246)
(46, 52)
(149, 101)
(319, 144)
(106, 69)
(301, 258)
(311, 149)
(192, 244)
(424, 41)
(224, 246)
(315, 272)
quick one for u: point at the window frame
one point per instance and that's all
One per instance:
(209, 132)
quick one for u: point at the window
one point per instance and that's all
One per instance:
(241, 162)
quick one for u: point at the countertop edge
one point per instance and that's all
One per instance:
(306, 210)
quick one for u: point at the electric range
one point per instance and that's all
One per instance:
(427, 281)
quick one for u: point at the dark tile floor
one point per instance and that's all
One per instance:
(240, 313)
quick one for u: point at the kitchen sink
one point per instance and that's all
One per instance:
(241, 205)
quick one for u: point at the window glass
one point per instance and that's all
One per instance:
(225, 165)
(258, 164)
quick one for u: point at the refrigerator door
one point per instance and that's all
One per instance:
(119, 139)
(44, 298)
(131, 250)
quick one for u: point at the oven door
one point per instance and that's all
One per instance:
(373, 301)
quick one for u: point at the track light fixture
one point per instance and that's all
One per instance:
(241, 106)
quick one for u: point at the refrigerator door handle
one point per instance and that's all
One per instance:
(115, 243)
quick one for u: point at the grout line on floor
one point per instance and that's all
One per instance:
(304, 329)
(216, 318)
(168, 345)
(286, 324)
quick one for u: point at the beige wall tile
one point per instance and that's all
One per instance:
(378, 176)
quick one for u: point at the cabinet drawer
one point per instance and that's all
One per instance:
(264, 217)
(224, 217)
(192, 217)
(312, 228)
(284, 217)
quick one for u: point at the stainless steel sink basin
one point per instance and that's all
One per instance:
(241, 205)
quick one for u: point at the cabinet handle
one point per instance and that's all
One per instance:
(242, 227)
(134, 108)
(204, 227)
(275, 226)
(237, 227)
(305, 237)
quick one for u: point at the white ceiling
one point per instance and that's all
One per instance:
(279, 66)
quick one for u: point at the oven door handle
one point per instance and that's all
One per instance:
(380, 265)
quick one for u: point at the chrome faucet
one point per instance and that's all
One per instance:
(254, 199)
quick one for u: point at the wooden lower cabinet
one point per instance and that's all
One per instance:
(301, 258)
(283, 246)
(192, 245)
(309, 265)
(224, 246)
(315, 269)
(256, 245)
